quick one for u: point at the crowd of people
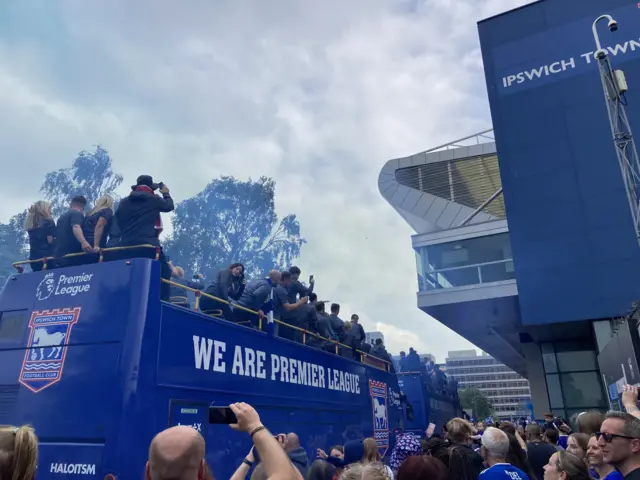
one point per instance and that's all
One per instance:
(604, 446)
(137, 221)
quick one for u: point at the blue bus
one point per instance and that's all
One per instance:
(427, 404)
(98, 364)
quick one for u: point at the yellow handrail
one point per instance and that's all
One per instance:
(304, 332)
(200, 293)
(45, 260)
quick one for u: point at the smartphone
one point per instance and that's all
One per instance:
(310, 278)
(222, 416)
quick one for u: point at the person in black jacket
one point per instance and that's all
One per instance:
(225, 286)
(42, 232)
(69, 236)
(358, 331)
(140, 223)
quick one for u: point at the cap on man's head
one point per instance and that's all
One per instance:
(79, 200)
(147, 181)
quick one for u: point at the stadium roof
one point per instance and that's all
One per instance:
(442, 187)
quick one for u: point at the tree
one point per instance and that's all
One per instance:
(13, 242)
(233, 221)
(476, 401)
(91, 175)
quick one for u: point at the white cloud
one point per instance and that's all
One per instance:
(316, 94)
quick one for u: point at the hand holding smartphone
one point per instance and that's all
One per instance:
(222, 416)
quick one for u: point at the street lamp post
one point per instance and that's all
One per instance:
(615, 86)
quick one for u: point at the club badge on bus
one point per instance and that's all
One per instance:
(47, 347)
(378, 392)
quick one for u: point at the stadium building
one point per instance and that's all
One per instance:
(525, 242)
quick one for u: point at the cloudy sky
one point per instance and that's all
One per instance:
(317, 94)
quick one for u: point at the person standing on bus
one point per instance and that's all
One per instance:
(297, 288)
(69, 236)
(284, 309)
(358, 331)
(97, 223)
(141, 224)
(42, 232)
(336, 322)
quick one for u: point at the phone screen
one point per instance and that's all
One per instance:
(222, 416)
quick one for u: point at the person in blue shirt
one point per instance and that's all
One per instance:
(599, 469)
(494, 449)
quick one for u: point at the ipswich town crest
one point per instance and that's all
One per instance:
(379, 396)
(47, 347)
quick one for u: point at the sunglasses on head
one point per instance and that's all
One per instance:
(608, 437)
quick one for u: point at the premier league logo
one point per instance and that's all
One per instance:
(47, 347)
(46, 286)
(378, 392)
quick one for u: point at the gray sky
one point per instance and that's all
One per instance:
(317, 94)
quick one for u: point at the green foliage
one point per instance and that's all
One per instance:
(233, 221)
(91, 175)
(476, 401)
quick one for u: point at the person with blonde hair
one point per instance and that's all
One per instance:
(369, 471)
(565, 466)
(42, 233)
(372, 454)
(464, 462)
(18, 452)
(97, 223)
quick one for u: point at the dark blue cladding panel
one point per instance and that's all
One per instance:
(573, 241)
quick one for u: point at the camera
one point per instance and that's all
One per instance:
(160, 186)
(613, 25)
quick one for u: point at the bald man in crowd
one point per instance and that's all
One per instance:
(176, 453)
(296, 453)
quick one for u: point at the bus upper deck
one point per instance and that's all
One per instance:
(98, 364)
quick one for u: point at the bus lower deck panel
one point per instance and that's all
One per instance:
(98, 365)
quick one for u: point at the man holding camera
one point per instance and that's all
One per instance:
(140, 223)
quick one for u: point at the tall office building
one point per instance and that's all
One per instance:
(525, 243)
(507, 391)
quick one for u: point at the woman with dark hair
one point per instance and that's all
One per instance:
(517, 456)
(418, 467)
(508, 427)
(226, 285)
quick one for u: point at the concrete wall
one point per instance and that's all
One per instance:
(537, 381)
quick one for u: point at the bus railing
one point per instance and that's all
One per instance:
(184, 300)
(19, 266)
(364, 357)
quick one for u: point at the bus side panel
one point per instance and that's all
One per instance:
(88, 317)
(77, 407)
(200, 361)
(413, 387)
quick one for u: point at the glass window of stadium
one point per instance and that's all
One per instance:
(465, 262)
(573, 380)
